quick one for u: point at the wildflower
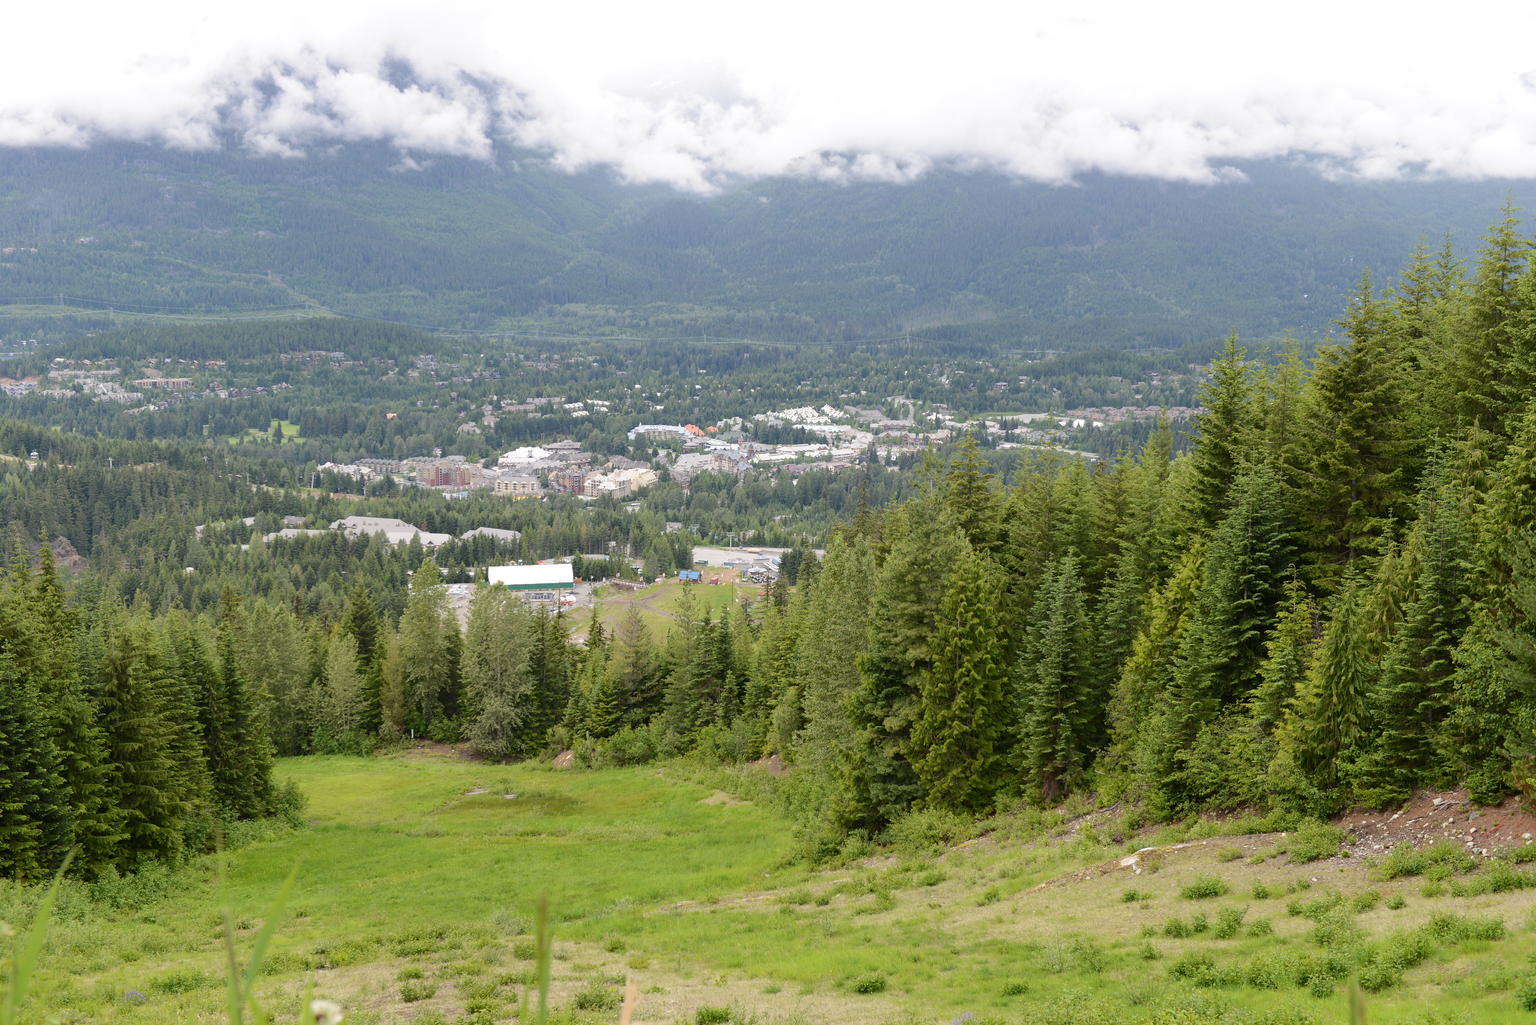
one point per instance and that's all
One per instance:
(326, 1012)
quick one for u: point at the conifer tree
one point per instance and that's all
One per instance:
(36, 818)
(1224, 427)
(970, 493)
(1325, 724)
(141, 779)
(1055, 709)
(1412, 701)
(958, 734)
(924, 546)
(242, 779)
(1353, 467)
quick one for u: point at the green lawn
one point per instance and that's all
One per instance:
(415, 898)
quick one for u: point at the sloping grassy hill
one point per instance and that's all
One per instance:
(419, 877)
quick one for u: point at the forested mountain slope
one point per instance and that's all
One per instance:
(1105, 262)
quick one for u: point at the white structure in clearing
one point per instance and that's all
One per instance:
(547, 583)
(396, 532)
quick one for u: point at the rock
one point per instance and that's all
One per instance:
(1437, 802)
(565, 759)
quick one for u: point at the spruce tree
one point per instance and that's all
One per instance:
(1224, 426)
(142, 776)
(925, 545)
(36, 817)
(1412, 701)
(958, 735)
(1056, 711)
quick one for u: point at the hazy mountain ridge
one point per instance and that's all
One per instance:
(1109, 261)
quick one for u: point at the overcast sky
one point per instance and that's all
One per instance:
(692, 93)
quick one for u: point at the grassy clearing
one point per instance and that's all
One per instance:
(658, 602)
(416, 899)
(257, 435)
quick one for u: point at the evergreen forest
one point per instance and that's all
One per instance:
(1326, 598)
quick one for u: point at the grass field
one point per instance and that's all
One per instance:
(415, 898)
(658, 602)
(256, 435)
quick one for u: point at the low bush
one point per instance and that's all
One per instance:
(1408, 860)
(1205, 888)
(712, 1016)
(927, 830)
(870, 984)
(1228, 922)
(411, 992)
(1313, 841)
(596, 997)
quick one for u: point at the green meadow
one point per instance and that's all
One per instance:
(419, 876)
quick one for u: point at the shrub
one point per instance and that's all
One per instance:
(1525, 993)
(1229, 854)
(410, 992)
(927, 830)
(870, 984)
(1379, 976)
(1199, 968)
(1460, 929)
(596, 997)
(1364, 902)
(1407, 860)
(1261, 892)
(1132, 896)
(1261, 927)
(712, 1016)
(1432, 889)
(1228, 922)
(1148, 952)
(185, 981)
(1267, 973)
(1177, 929)
(1015, 988)
(1313, 841)
(1205, 888)
(1337, 928)
(1397, 902)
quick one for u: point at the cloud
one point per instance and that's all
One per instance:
(694, 93)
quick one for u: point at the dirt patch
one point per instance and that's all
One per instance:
(1443, 815)
(773, 765)
(722, 798)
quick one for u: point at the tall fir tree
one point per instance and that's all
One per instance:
(959, 733)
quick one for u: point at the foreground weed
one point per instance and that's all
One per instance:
(24, 958)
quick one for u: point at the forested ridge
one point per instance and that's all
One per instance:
(515, 243)
(1328, 600)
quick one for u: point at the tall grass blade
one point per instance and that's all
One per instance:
(240, 985)
(545, 944)
(264, 937)
(28, 948)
